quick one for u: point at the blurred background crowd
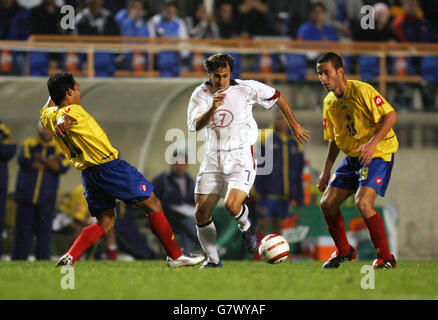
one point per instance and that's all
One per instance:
(335, 20)
(307, 20)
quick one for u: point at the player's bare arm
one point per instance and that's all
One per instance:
(203, 119)
(368, 149)
(300, 133)
(324, 177)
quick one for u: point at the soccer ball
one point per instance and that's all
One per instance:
(274, 248)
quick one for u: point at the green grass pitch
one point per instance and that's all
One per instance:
(246, 280)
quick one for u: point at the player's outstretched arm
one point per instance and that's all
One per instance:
(324, 177)
(300, 133)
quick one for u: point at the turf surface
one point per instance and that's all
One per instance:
(236, 280)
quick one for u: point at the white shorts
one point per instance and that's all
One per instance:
(227, 170)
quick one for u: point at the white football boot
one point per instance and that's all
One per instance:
(185, 260)
(65, 260)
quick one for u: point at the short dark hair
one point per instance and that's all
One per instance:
(332, 57)
(218, 61)
(318, 4)
(170, 3)
(58, 85)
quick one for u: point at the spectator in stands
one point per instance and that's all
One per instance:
(8, 148)
(168, 25)
(411, 27)
(132, 23)
(46, 18)
(383, 30)
(287, 16)
(8, 10)
(19, 30)
(298, 14)
(202, 24)
(96, 20)
(369, 66)
(41, 163)
(255, 18)
(79, 5)
(276, 191)
(316, 28)
(430, 10)
(228, 26)
(114, 6)
(132, 20)
(176, 189)
(343, 16)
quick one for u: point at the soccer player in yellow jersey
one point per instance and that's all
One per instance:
(104, 176)
(358, 121)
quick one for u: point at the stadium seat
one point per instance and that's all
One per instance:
(296, 66)
(237, 64)
(429, 69)
(368, 67)
(39, 63)
(104, 64)
(169, 63)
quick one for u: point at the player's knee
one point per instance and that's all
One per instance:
(153, 204)
(233, 207)
(325, 204)
(202, 216)
(107, 222)
(363, 205)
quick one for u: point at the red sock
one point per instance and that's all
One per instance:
(336, 228)
(376, 227)
(162, 229)
(87, 238)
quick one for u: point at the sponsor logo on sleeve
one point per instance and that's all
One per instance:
(378, 101)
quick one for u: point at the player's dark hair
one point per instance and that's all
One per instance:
(332, 57)
(58, 84)
(218, 61)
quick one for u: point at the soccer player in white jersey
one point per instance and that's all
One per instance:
(224, 107)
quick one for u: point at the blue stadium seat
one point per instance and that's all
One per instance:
(236, 65)
(429, 69)
(296, 66)
(39, 63)
(104, 64)
(347, 64)
(169, 63)
(368, 67)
